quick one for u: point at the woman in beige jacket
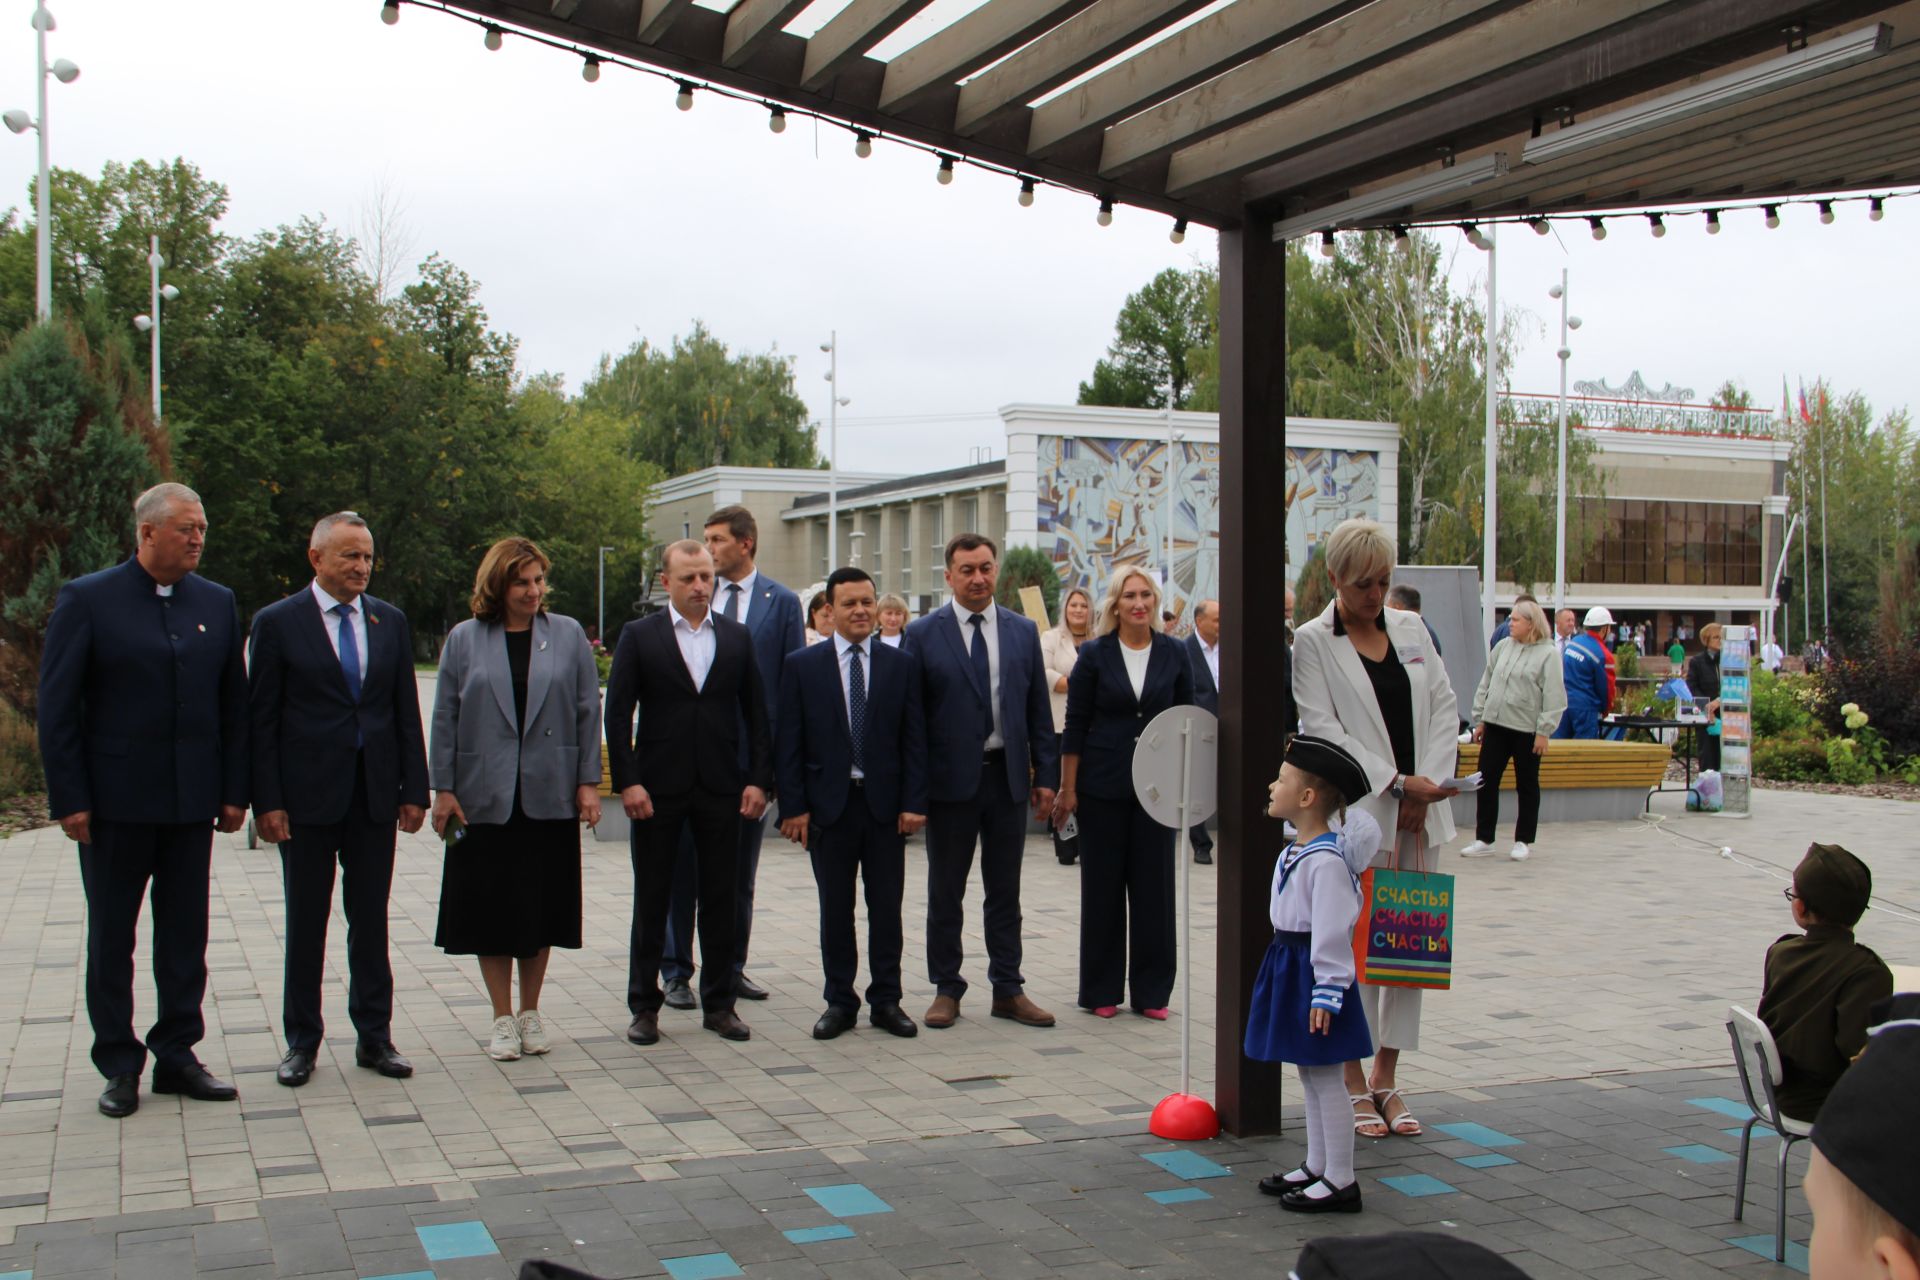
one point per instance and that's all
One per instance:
(1515, 710)
(1059, 647)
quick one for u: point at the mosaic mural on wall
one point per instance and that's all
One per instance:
(1100, 502)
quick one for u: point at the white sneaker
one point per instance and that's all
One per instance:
(533, 1036)
(1478, 849)
(1520, 853)
(505, 1046)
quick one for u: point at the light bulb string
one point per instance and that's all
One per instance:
(1656, 217)
(683, 83)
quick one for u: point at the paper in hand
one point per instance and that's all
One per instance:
(1471, 782)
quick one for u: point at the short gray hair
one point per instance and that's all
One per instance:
(325, 525)
(151, 507)
(1203, 608)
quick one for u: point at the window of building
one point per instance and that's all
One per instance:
(1672, 543)
(935, 519)
(876, 546)
(903, 538)
(970, 515)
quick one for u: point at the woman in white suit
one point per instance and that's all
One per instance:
(1370, 679)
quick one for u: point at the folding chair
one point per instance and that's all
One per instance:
(1756, 1055)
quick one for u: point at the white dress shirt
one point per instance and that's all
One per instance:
(990, 627)
(697, 645)
(358, 617)
(163, 591)
(1212, 654)
(842, 648)
(724, 589)
(892, 642)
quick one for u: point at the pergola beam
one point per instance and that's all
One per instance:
(752, 24)
(846, 39)
(977, 40)
(656, 16)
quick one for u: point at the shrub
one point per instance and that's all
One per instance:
(19, 755)
(1626, 661)
(1879, 680)
(1028, 567)
(1801, 758)
(1781, 705)
(1847, 763)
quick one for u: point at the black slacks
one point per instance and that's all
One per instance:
(859, 845)
(714, 820)
(677, 959)
(1499, 744)
(126, 862)
(997, 822)
(1126, 883)
(363, 849)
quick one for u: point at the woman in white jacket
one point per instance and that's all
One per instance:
(1370, 679)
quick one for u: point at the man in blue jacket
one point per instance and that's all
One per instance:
(852, 768)
(143, 735)
(992, 753)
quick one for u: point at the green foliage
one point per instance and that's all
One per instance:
(19, 754)
(75, 450)
(1312, 590)
(1163, 331)
(1028, 567)
(1782, 705)
(1626, 661)
(1796, 758)
(1847, 763)
(697, 405)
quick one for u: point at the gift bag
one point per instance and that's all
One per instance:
(1404, 936)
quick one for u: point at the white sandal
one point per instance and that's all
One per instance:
(1359, 1121)
(1413, 1127)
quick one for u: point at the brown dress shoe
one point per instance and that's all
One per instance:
(1023, 1011)
(943, 1012)
(727, 1025)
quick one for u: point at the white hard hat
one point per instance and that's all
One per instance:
(1598, 616)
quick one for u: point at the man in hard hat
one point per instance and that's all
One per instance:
(1587, 666)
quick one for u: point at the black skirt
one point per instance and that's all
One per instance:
(512, 888)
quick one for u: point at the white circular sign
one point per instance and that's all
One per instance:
(1178, 739)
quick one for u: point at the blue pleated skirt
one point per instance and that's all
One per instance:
(1282, 999)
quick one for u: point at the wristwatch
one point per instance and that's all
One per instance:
(1396, 789)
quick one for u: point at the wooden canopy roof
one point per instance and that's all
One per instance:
(1285, 111)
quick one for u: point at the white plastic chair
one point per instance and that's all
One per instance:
(1755, 1054)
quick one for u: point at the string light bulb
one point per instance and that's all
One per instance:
(1026, 193)
(1474, 235)
(1179, 234)
(777, 119)
(862, 143)
(1599, 228)
(1658, 225)
(390, 12)
(1402, 241)
(1327, 249)
(495, 38)
(1876, 209)
(945, 175)
(683, 99)
(1826, 213)
(1773, 216)
(1540, 226)
(1713, 222)
(590, 70)
(1106, 211)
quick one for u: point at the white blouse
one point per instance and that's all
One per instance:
(1136, 660)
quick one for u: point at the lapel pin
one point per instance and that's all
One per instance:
(203, 626)
(373, 618)
(543, 646)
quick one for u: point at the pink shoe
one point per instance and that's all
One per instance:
(1158, 1015)
(1107, 1011)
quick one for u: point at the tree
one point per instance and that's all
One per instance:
(1156, 336)
(76, 449)
(1028, 567)
(696, 405)
(1312, 590)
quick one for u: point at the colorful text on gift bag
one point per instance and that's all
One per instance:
(1404, 937)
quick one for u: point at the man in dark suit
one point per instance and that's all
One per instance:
(1203, 655)
(143, 735)
(991, 751)
(693, 678)
(338, 760)
(852, 757)
(772, 614)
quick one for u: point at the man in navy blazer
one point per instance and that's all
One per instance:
(143, 736)
(339, 759)
(772, 614)
(1203, 655)
(992, 752)
(852, 768)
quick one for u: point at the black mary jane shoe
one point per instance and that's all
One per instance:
(121, 1097)
(1278, 1184)
(192, 1081)
(834, 1022)
(1344, 1200)
(892, 1018)
(295, 1069)
(384, 1058)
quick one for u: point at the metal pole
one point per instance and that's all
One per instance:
(1560, 517)
(833, 450)
(1487, 550)
(1166, 501)
(43, 194)
(1826, 600)
(154, 261)
(1186, 905)
(1806, 543)
(602, 632)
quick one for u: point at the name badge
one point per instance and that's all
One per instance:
(1411, 657)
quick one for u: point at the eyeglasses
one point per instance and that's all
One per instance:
(1790, 895)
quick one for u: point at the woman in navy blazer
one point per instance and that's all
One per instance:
(1123, 678)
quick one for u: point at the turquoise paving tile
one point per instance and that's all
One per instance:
(1486, 1160)
(398, 1275)
(847, 1200)
(16, 1275)
(1698, 1154)
(814, 1235)
(456, 1240)
(1763, 1245)
(1419, 1184)
(702, 1266)
(1479, 1135)
(1725, 1106)
(1759, 1131)
(1179, 1195)
(1186, 1164)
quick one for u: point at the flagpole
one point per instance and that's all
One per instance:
(1826, 601)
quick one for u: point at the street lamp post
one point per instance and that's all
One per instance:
(602, 632)
(832, 347)
(19, 121)
(1490, 516)
(1567, 322)
(150, 323)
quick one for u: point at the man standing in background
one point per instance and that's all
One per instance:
(1203, 655)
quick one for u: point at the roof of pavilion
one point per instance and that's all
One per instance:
(1302, 112)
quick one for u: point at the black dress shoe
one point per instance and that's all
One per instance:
(192, 1081)
(383, 1058)
(835, 1021)
(1278, 1184)
(1345, 1200)
(1067, 860)
(679, 994)
(891, 1017)
(728, 1025)
(122, 1096)
(1203, 856)
(747, 989)
(296, 1068)
(644, 1029)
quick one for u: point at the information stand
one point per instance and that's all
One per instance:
(1736, 721)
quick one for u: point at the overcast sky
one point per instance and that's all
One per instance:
(594, 215)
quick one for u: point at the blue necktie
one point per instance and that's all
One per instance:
(732, 611)
(982, 669)
(350, 661)
(857, 711)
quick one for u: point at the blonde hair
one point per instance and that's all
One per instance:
(1710, 632)
(1357, 546)
(1107, 616)
(1536, 617)
(1065, 632)
(892, 600)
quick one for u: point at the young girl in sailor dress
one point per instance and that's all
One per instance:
(1306, 1008)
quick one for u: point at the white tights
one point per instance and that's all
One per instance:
(1329, 1124)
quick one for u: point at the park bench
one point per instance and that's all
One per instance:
(1580, 781)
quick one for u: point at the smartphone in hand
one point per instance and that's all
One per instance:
(456, 831)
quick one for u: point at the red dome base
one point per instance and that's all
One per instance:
(1182, 1117)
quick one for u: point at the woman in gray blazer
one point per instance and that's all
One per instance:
(515, 763)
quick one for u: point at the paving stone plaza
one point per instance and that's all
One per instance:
(1581, 1113)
